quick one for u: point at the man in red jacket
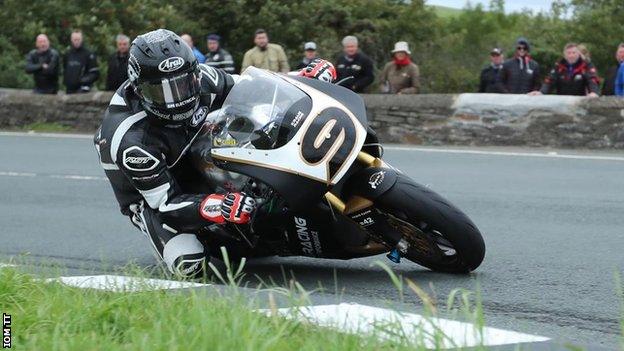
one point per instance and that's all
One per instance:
(572, 75)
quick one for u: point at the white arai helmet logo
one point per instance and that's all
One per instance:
(171, 64)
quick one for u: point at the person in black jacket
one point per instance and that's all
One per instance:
(118, 64)
(520, 74)
(354, 64)
(571, 76)
(490, 74)
(218, 57)
(43, 63)
(309, 55)
(608, 87)
(80, 69)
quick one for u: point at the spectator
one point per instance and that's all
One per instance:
(401, 75)
(520, 74)
(489, 82)
(355, 64)
(585, 54)
(619, 81)
(118, 64)
(572, 75)
(265, 55)
(608, 87)
(80, 69)
(309, 55)
(218, 57)
(43, 63)
(200, 57)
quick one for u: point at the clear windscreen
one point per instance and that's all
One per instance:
(262, 111)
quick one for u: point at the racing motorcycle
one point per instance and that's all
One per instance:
(304, 149)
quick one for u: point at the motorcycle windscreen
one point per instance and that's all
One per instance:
(262, 111)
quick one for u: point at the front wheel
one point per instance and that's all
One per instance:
(435, 233)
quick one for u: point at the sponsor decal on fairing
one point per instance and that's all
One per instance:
(376, 179)
(310, 243)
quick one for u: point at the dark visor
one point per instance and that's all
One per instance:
(171, 92)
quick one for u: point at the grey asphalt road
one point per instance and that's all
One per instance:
(554, 231)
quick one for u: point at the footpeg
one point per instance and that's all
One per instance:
(394, 256)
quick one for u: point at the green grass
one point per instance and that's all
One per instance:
(50, 127)
(52, 316)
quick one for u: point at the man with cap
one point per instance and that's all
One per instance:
(520, 74)
(309, 54)
(490, 74)
(218, 57)
(401, 75)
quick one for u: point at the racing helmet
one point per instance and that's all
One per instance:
(165, 75)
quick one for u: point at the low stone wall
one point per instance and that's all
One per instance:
(433, 119)
(81, 112)
(495, 119)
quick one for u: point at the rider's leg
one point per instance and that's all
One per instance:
(183, 254)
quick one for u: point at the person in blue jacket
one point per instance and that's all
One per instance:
(200, 57)
(619, 81)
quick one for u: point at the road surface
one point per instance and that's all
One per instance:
(553, 226)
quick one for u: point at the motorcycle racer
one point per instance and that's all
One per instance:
(149, 125)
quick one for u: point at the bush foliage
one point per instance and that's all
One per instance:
(450, 49)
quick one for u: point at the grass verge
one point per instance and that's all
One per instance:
(47, 127)
(52, 316)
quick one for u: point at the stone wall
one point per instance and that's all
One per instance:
(434, 119)
(494, 119)
(81, 112)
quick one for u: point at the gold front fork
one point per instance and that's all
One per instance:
(356, 202)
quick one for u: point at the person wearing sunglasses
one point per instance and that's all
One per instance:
(520, 74)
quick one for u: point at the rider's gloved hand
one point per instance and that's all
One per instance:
(232, 207)
(320, 69)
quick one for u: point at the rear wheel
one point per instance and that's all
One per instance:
(435, 234)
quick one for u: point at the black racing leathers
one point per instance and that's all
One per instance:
(80, 70)
(145, 160)
(46, 79)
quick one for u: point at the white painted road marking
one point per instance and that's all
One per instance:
(120, 283)
(355, 318)
(48, 135)
(5, 265)
(56, 176)
(77, 177)
(17, 174)
(550, 154)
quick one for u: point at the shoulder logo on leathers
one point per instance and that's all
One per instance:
(139, 160)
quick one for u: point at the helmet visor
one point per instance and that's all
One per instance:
(171, 92)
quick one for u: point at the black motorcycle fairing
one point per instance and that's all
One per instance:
(371, 182)
(352, 101)
(292, 187)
